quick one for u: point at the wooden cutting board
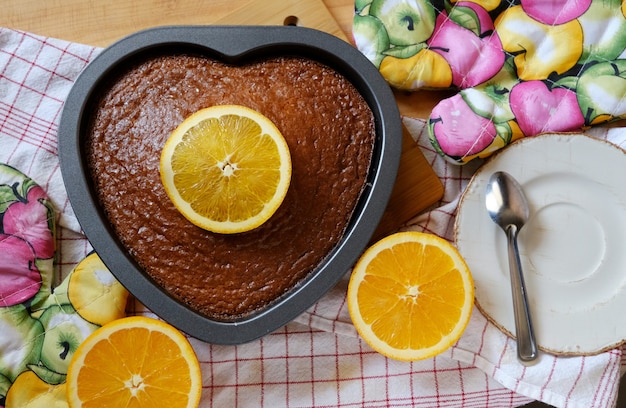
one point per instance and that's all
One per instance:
(417, 186)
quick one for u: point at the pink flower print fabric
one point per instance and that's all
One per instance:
(521, 67)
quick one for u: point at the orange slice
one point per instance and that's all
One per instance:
(134, 362)
(410, 296)
(226, 168)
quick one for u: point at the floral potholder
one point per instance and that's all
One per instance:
(522, 67)
(40, 325)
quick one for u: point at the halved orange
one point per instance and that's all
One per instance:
(226, 168)
(134, 362)
(410, 296)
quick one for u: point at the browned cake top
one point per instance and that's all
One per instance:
(330, 132)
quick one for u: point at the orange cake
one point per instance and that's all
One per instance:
(329, 129)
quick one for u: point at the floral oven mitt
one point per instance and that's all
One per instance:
(521, 67)
(41, 326)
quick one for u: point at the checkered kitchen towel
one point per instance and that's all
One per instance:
(317, 360)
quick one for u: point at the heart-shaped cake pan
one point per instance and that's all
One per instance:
(231, 45)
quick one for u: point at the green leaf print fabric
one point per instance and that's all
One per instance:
(521, 67)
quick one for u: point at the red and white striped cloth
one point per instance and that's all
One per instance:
(317, 360)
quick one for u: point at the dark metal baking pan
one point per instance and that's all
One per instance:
(232, 44)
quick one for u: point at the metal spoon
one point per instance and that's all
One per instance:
(507, 207)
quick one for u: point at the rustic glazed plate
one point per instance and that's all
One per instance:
(571, 248)
(232, 45)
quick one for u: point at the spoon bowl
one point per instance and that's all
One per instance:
(505, 201)
(508, 208)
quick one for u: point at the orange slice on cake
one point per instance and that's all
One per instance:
(226, 168)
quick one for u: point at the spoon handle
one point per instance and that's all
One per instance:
(526, 344)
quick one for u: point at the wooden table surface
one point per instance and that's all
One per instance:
(102, 22)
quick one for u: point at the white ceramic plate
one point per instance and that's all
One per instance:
(573, 248)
